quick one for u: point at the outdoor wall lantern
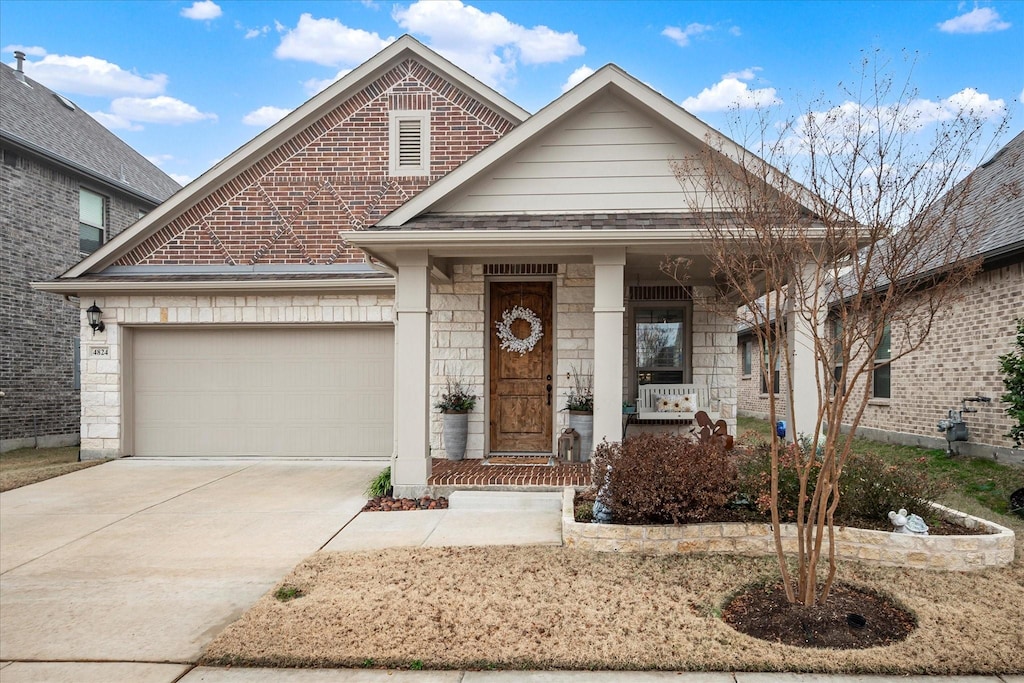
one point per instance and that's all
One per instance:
(94, 312)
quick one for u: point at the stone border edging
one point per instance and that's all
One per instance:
(943, 553)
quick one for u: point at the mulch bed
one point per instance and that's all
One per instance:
(389, 504)
(851, 618)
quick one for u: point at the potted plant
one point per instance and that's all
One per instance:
(455, 403)
(580, 404)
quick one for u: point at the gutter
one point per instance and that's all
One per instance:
(80, 287)
(33, 148)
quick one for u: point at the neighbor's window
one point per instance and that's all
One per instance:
(91, 220)
(882, 377)
(409, 143)
(775, 373)
(836, 331)
(747, 349)
(660, 337)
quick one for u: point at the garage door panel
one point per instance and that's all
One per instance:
(280, 392)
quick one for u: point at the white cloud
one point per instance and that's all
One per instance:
(735, 31)
(113, 121)
(314, 85)
(681, 36)
(159, 159)
(1020, 97)
(576, 77)
(256, 32)
(29, 50)
(968, 101)
(162, 109)
(732, 93)
(181, 178)
(328, 42)
(202, 10)
(487, 45)
(978, 20)
(92, 76)
(265, 116)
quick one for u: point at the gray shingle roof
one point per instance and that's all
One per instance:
(37, 117)
(997, 186)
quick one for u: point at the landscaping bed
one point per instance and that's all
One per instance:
(390, 504)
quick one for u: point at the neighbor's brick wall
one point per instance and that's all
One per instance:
(101, 377)
(751, 401)
(294, 205)
(39, 241)
(960, 358)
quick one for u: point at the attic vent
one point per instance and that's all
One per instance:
(410, 143)
(65, 101)
(659, 293)
(521, 269)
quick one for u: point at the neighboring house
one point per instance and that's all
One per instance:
(67, 185)
(961, 355)
(310, 294)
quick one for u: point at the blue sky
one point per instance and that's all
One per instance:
(187, 82)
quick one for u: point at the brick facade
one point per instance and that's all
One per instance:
(39, 238)
(959, 359)
(292, 205)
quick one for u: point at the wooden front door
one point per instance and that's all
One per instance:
(521, 388)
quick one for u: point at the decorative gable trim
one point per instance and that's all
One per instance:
(403, 58)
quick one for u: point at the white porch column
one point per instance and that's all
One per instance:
(410, 464)
(802, 325)
(609, 268)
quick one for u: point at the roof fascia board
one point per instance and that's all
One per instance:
(107, 287)
(75, 167)
(609, 76)
(290, 125)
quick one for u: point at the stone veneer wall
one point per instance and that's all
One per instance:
(946, 553)
(459, 332)
(101, 376)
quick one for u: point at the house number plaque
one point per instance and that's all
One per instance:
(102, 351)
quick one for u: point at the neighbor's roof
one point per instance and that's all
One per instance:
(997, 186)
(36, 119)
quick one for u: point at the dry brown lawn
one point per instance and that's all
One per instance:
(554, 608)
(30, 465)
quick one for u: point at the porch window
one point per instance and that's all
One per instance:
(660, 343)
(836, 331)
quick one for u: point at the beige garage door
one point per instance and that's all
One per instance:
(313, 392)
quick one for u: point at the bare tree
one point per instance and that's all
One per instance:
(853, 264)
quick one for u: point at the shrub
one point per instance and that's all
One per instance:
(868, 489)
(659, 478)
(380, 486)
(1012, 367)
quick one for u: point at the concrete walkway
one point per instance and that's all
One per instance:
(147, 560)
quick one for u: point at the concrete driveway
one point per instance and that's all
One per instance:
(147, 560)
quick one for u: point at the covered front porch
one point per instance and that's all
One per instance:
(605, 310)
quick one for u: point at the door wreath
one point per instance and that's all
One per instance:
(509, 341)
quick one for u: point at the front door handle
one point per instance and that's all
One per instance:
(549, 394)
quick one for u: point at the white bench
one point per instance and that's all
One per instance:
(647, 402)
